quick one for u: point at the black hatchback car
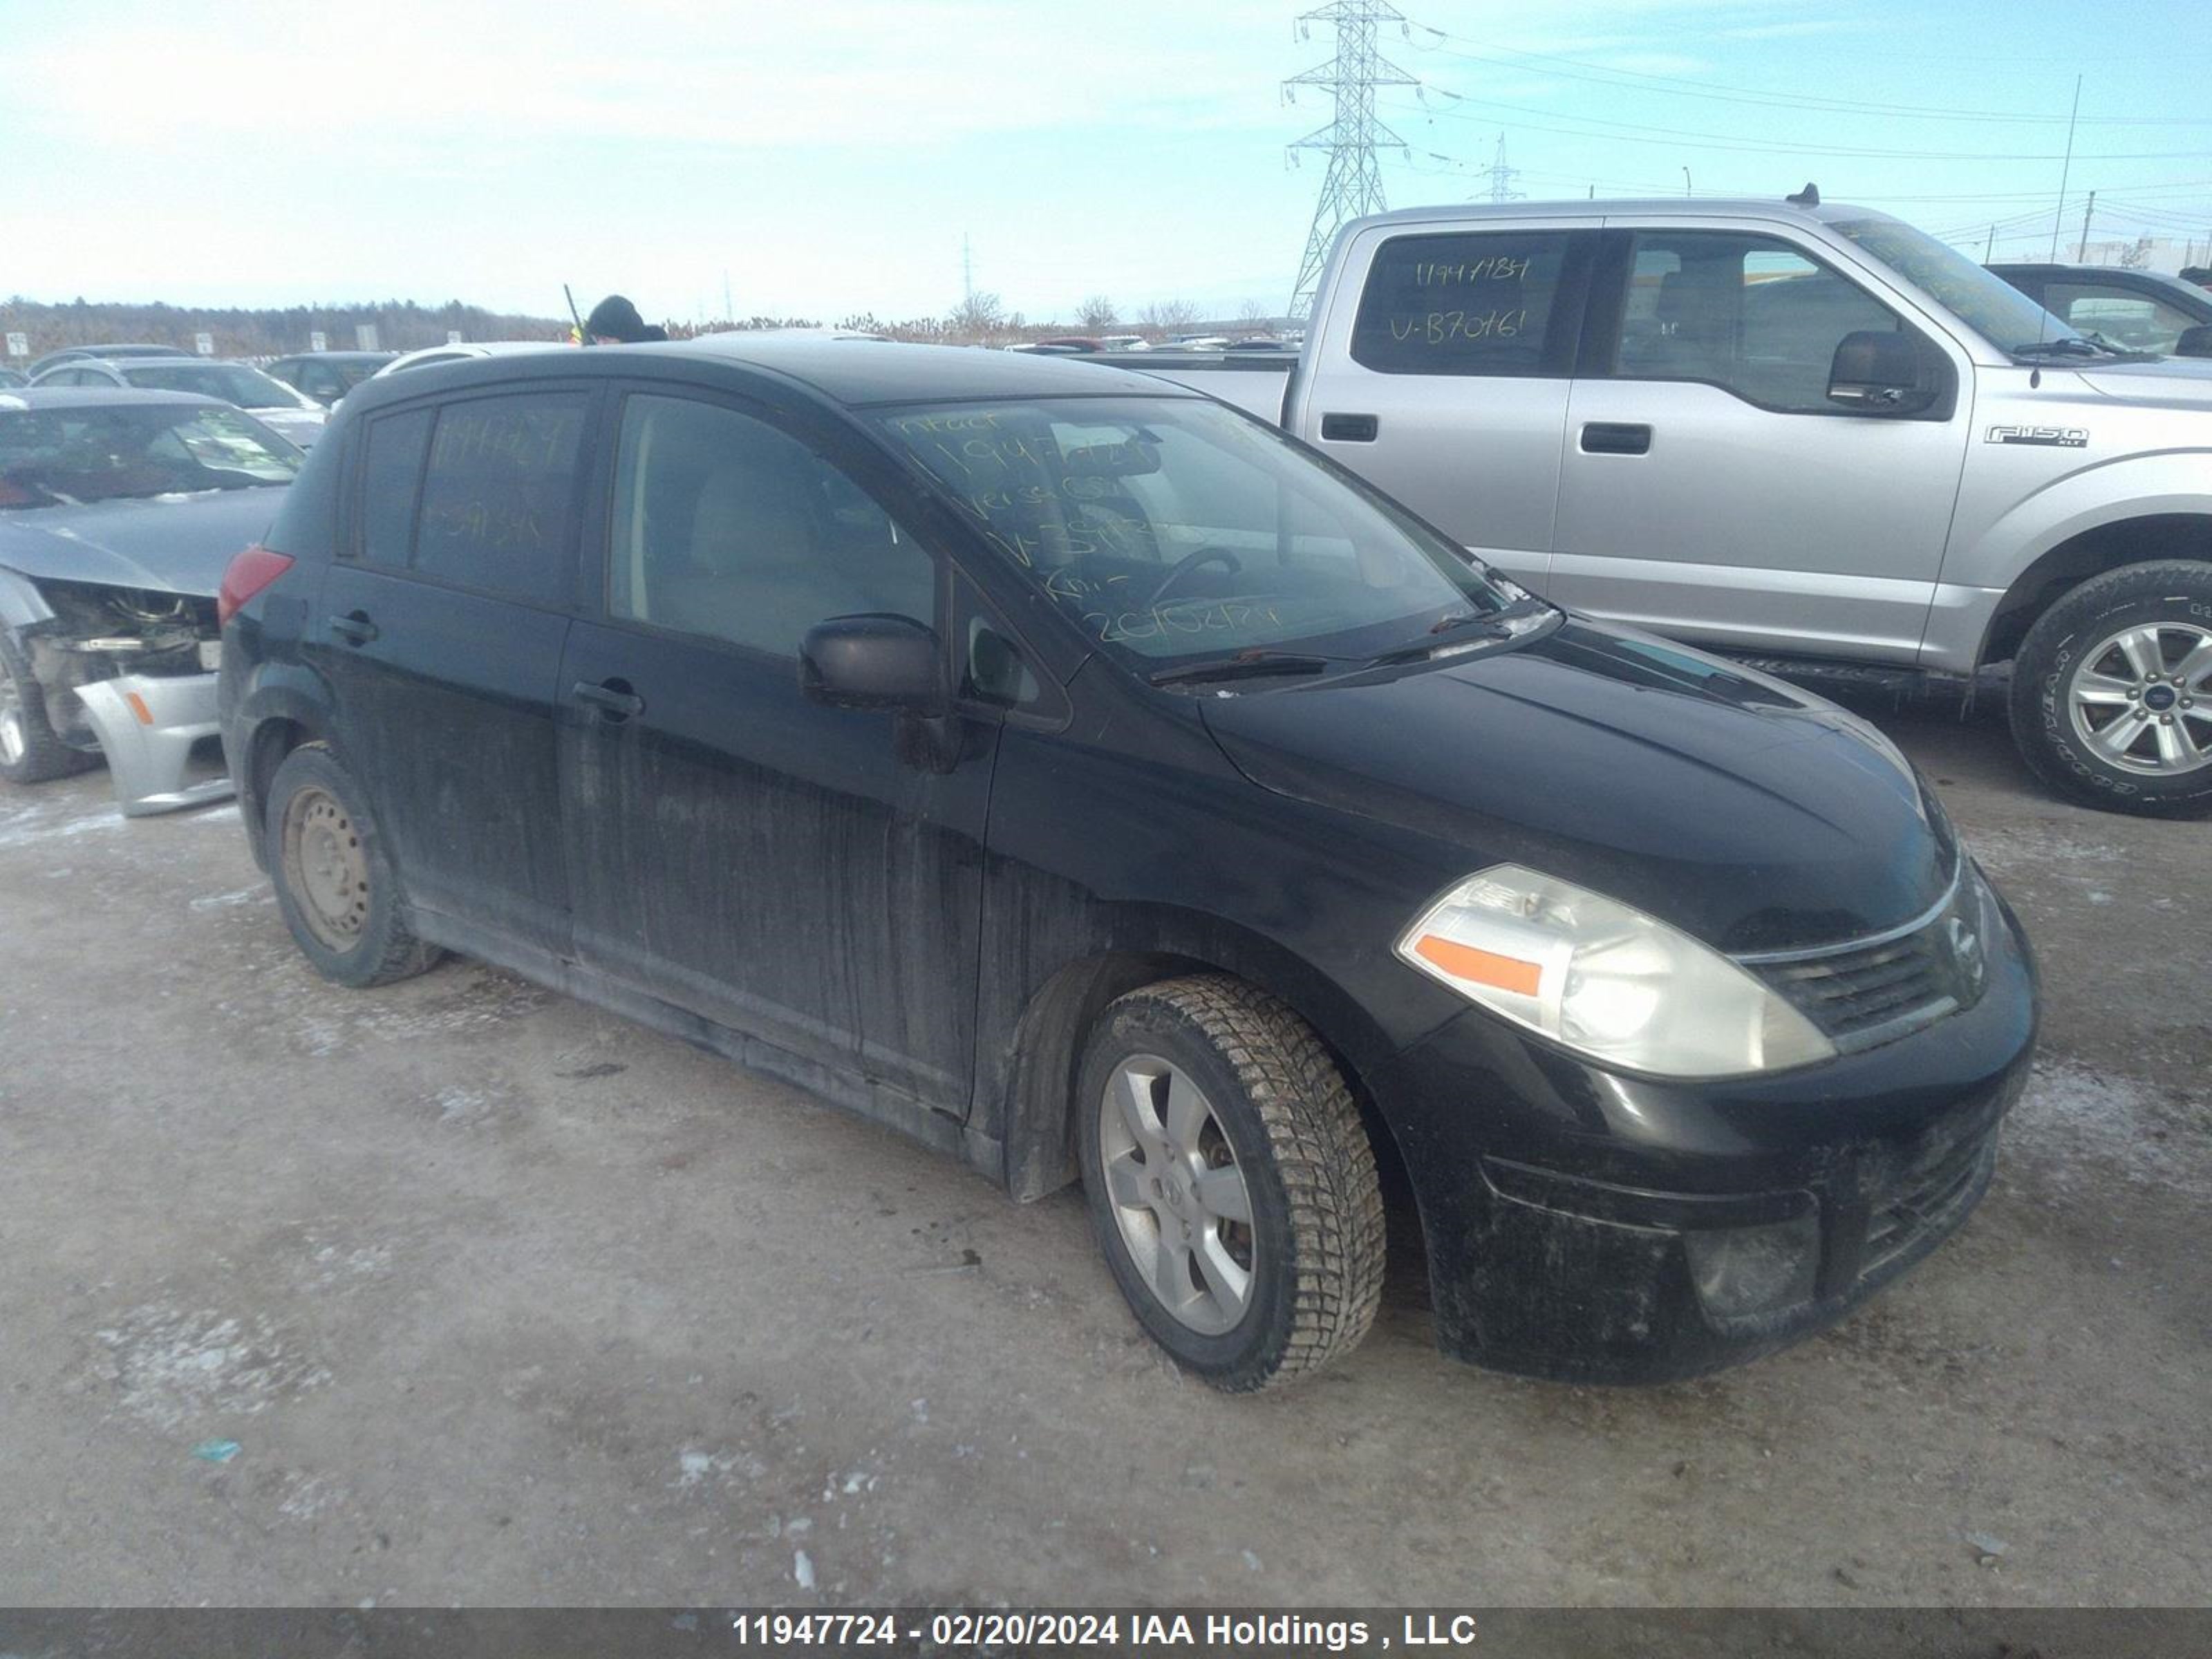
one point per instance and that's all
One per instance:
(1095, 784)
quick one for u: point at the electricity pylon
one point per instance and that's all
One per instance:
(1353, 183)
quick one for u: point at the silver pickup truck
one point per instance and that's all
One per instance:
(1806, 435)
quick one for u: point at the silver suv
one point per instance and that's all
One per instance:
(1806, 435)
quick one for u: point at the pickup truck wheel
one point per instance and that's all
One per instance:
(1230, 1182)
(2111, 697)
(335, 883)
(30, 752)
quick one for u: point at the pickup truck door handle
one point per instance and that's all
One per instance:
(612, 698)
(354, 628)
(1615, 438)
(1349, 428)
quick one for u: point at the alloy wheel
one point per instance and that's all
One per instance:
(2141, 700)
(1178, 1197)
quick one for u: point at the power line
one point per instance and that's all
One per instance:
(1680, 86)
(1353, 185)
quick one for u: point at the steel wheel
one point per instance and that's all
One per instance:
(2143, 699)
(15, 744)
(1177, 1194)
(327, 868)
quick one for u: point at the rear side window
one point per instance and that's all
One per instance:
(498, 495)
(1485, 304)
(392, 468)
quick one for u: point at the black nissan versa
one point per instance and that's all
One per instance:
(1094, 783)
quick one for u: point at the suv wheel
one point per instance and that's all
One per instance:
(2111, 697)
(334, 880)
(30, 752)
(1230, 1182)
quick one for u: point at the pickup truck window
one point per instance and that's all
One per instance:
(2133, 321)
(1464, 305)
(1751, 314)
(1984, 302)
(1172, 528)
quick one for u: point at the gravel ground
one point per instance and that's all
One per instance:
(503, 1300)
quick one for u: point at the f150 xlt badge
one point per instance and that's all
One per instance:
(2052, 437)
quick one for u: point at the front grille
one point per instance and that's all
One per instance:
(1930, 1203)
(1878, 990)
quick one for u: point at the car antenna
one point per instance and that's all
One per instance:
(574, 316)
(1808, 196)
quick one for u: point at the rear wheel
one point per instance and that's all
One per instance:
(2111, 698)
(335, 883)
(1231, 1182)
(30, 752)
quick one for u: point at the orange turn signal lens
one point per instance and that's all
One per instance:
(1480, 967)
(138, 708)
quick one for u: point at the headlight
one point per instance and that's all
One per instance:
(1604, 980)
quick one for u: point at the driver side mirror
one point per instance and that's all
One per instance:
(1883, 372)
(2196, 342)
(873, 662)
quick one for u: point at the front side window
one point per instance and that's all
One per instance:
(1484, 304)
(2129, 319)
(1748, 313)
(1172, 528)
(498, 498)
(728, 527)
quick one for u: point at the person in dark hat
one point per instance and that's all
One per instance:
(615, 321)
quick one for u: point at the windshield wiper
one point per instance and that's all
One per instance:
(1245, 664)
(2074, 346)
(1496, 627)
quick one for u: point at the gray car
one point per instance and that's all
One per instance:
(284, 408)
(119, 511)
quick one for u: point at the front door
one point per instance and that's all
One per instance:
(440, 630)
(789, 870)
(1709, 489)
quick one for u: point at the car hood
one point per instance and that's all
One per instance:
(1751, 815)
(2162, 383)
(165, 543)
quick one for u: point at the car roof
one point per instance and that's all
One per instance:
(850, 373)
(1704, 207)
(338, 356)
(94, 397)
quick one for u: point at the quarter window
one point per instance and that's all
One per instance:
(497, 494)
(1748, 313)
(726, 526)
(1485, 304)
(392, 467)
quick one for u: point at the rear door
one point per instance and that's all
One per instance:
(1709, 488)
(440, 630)
(1441, 374)
(811, 875)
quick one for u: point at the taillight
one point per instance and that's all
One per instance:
(249, 573)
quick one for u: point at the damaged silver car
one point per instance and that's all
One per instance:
(118, 512)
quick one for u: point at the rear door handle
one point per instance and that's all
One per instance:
(354, 628)
(1616, 438)
(612, 698)
(1349, 428)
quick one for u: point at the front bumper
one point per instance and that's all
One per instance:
(1585, 1226)
(149, 726)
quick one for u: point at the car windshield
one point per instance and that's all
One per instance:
(67, 457)
(235, 383)
(1172, 528)
(1983, 301)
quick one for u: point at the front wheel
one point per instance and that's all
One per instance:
(2111, 696)
(30, 751)
(1230, 1182)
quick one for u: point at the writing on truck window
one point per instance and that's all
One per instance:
(1459, 304)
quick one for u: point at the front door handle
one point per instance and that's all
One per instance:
(1349, 428)
(1616, 438)
(612, 698)
(354, 628)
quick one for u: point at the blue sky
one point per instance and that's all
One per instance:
(828, 157)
